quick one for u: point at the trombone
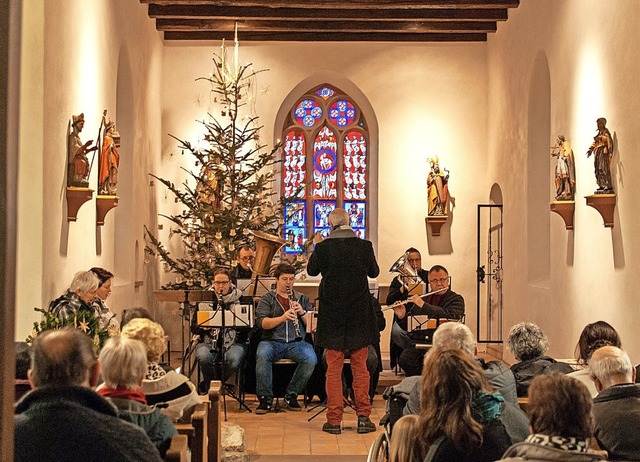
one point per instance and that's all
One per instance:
(404, 302)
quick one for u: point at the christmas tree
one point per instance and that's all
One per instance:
(231, 189)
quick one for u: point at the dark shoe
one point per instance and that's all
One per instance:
(292, 403)
(264, 406)
(334, 429)
(365, 425)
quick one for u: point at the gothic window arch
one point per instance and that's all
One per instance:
(325, 164)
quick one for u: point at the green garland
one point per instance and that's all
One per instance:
(84, 320)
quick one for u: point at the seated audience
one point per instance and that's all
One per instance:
(124, 366)
(79, 297)
(402, 446)
(528, 344)
(160, 386)
(234, 341)
(133, 313)
(593, 336)
(283, 327)
(459, 412)
(107, 317)
(500, 378)
(616, 409)
(23, 359)
(62, 418)
(560, 413)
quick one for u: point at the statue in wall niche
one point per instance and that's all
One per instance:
(437, 189)
(109, 158)
(78, 162)
(602, 149)
(565, 170)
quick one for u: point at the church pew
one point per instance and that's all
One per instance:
(178, 451)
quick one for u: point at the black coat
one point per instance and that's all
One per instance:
(346, 320)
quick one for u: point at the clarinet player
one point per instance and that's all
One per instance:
(346, 321)
(279, 315)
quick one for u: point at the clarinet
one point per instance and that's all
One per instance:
(296, 322)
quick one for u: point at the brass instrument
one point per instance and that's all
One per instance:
(296, 321)
(404, 302)
(408, 276)
(266, 247)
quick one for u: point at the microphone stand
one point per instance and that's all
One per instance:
(226, 389)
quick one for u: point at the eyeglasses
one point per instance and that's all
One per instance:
(221, 283)
(246, 258)
(441, 280)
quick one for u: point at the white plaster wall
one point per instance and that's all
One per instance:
(89, 55)
(589, 46)
(428, 99)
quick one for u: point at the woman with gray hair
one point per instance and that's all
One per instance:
(124, 366)
(78, 297)
(528, 344)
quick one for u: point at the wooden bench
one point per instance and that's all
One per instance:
(179, 449)
(196, 432)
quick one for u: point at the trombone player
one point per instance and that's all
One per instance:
(410, 268)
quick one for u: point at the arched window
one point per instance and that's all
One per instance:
(325, 143)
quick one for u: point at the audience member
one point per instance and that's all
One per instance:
(616, 409)
(528, 344)
(134, 313)
(281, 320)
(458, 335)
(398, 292)
(402, 447)
(560, 413)
(124, 366)
(62, 418)
(79, 297)
(107, 317)
(443, 304)
(160, 386)
(459, 413)
(593, 336)
(23, 359)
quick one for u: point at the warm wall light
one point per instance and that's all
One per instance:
(589, 95)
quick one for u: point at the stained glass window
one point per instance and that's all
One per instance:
(326, 135)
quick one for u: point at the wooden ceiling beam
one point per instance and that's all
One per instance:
(322, 14)
(326, 37)
(320, 26)
(345, 4)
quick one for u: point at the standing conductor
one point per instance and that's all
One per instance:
(346, 321)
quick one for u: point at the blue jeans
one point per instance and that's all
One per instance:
(400, 336)
(207, 357)
(269, 352)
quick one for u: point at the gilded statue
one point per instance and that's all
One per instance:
(437, 189)
(565, 173)
(109, 158)
(79, 167)
(602, 149)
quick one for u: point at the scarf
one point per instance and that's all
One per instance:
(559, 442)
(154, 371)
(486, 407)
(124, 393)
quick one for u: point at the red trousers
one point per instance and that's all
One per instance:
(335, 361)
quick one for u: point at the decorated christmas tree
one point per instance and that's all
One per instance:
(231, 189)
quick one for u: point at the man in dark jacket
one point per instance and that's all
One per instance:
(63, 419)
(616, 409)
(443, 304)
(346, 320)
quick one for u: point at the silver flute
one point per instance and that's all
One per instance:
(296, 321)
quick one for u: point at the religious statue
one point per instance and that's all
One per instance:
(109, 158)
(565, 170)
(78, 163)
(437, 188)
(602, 148)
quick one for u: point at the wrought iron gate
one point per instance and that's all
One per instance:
(489, 272)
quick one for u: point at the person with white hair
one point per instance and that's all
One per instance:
(616, 409)
(79, 297)
(124, 366)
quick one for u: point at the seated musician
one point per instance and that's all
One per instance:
(398, 292)
(444, 304)
(210, 339)
(280, 317)
(244, 259)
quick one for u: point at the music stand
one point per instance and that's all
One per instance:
(186, 298)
